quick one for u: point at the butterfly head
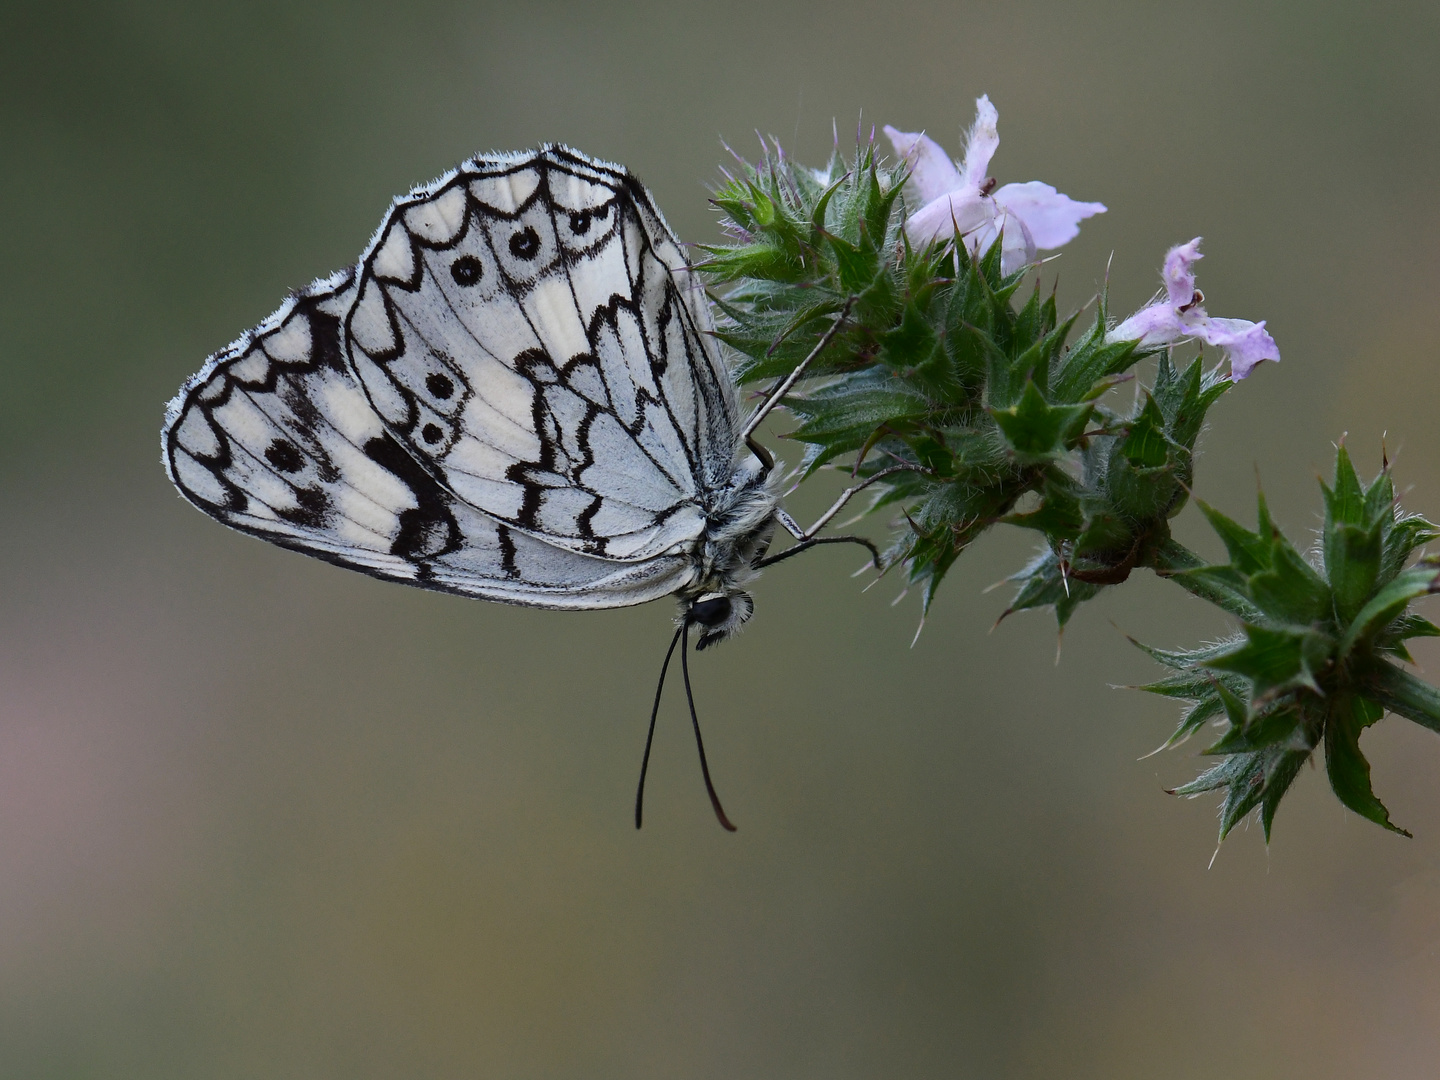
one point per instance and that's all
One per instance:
(718, 615)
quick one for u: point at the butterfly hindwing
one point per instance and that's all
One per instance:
(528, 329)
(276, 437)
(270, 436)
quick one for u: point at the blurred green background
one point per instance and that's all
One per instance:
(261, 817)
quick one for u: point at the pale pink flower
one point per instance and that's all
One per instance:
(1180, 314)
(965, 202)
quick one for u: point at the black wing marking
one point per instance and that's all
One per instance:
(528, 328)
(274, 437)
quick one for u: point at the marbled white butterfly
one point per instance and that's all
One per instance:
(514, 395)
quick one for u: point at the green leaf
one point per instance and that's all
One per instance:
(762, 210)
(1186, 660)
(758, 260)
(1171, 387)
(1352, 563)
(879, 204)
(1351, 539)
(1187, 686)
(1089, 362)
(1034, 429)
(828, 306)
(1401, 539)
(1192, 720)
(1249, 552)
(1236, 710)
(1281, 770)
(817, 215)
(1348, 770)
(1223, 586)
(1380, 495)
(1389, 602)
(1026, 367)
(1250, 780)
(1402, 629)
(1059, 515)
(1028, 330)
(1146, 445)
(1268, 729)
(857, 267)
(1143, 498)
(1188, 400)
(1045, 584)
(1401, 693)
(1290, 590)
(1242, 776)
(1275, 659)
(856, 407)
(1345, 503)
(912, 343)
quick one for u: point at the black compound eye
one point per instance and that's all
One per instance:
(439, 385)
(580, 222)
(284, 456)
(431, 433)
(710, 612)
(525, 244)
(466, 270)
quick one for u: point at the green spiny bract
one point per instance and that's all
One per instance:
(1134, 474)
(1315, 663)
(938, 368)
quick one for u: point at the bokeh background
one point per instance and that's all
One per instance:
(261, 817)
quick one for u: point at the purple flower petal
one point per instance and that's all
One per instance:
(1247, 342)
(1053, 219)
(1180, 316)
(931, 170)
(957, 202)
(1179, 272)
(1152, 327)
(980, 144)
(959, 213)
(1017, 244)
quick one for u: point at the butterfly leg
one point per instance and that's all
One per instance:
(790, 524)
(784, 388)
(808, 538)
(766, 459)
(849, 493)
(816, 541)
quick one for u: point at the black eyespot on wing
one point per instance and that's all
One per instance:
(580, 222)
(431, 433)
(525, 244)
(710, 612)
(467, 269)
(439, 385)
(283, 454)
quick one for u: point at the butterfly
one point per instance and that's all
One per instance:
(515, 395)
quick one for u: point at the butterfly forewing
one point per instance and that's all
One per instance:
(520, 328)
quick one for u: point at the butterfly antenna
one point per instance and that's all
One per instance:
(650, 735)
(695, 720)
